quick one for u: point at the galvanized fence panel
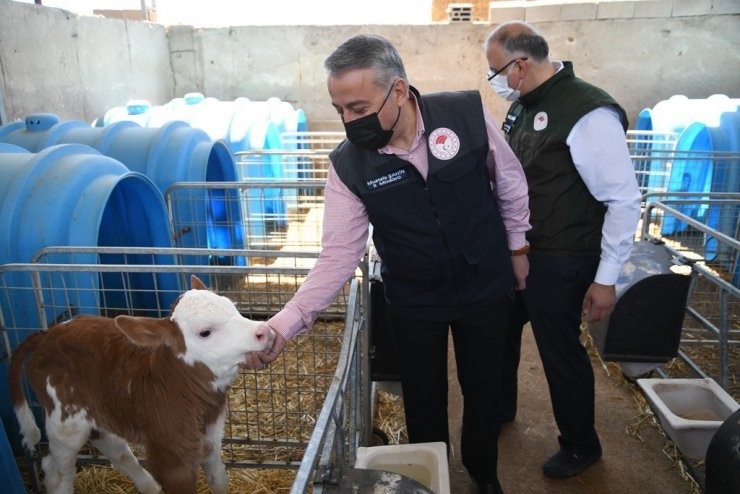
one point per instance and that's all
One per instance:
(661, 167)
(275, 165)
(251, 214)
(272, 414)
(649, 152)
(311, 140)
(691, 203)
(340, 427)
(711, 332)
(304, 166)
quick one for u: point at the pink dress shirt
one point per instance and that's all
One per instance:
(345, 225)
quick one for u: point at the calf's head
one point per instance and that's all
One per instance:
(204, 327)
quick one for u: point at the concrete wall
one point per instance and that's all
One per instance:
(54, 61)
(639, 61)
(83, 66)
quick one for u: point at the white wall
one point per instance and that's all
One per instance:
(638, 61)
(78, 67)
(56, 62)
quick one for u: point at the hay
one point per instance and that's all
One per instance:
(390, 417)
(100, 479)
(260, 481)
(644, 420)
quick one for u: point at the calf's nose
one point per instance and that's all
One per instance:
(264, 333)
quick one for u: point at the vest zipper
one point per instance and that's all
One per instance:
(442, 234)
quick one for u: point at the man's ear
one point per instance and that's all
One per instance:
(523, 68)
(401, 91)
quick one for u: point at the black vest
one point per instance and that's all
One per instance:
(442, 241)
(565, 217)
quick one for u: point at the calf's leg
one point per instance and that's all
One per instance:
(213, 467)
(66, 437)
(175, 475)
(122, 458)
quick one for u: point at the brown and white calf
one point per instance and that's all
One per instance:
(158, 383)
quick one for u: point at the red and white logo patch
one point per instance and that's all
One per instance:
(540, 121)
(444, 143)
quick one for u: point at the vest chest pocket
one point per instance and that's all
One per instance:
(462, 182)
(530, 143)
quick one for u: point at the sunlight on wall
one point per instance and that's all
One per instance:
(213, 13)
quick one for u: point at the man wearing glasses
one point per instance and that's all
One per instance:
(585, 204)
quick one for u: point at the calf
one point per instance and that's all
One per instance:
(158, 383)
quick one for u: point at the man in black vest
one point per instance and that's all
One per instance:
(585, 206)
(448, 203)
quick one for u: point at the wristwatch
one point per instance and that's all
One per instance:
(520, 251)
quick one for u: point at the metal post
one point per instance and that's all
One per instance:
(724, 357)
(366, 390)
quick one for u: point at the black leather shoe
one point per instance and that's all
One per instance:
(565, 464)
(489, 488)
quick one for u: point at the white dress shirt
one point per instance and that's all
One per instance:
(599, 151)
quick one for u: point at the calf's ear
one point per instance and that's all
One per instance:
(196, 283)
(146, 331)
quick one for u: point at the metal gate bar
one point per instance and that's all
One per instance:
(714, 296)
(258, 433)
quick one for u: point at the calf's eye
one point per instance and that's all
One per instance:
(205, 333)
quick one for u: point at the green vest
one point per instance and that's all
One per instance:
(565, 217)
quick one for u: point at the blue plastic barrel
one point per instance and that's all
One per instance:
(690, 172)
(175, 152)
(678, 112)
(708, 172)
(11, 148)
(675, 115)
(730, 123)
(230, 121)
(285, 116)
(12, 481)
(250, 133)
(37, 131)
(287, 119)
(135, 111)
(71, 195)
(245, 126)
(653, 150)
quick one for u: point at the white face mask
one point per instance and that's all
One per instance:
(502, 88)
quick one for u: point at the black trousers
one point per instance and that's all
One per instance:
(553, 302)
(479, 347)
(518, 317)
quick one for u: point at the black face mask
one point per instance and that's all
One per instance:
(367, 133)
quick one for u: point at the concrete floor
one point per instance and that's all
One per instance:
(628, 465)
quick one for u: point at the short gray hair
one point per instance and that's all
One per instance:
(519, 37)
(367, 51)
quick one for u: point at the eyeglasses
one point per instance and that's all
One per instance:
(491, 74)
